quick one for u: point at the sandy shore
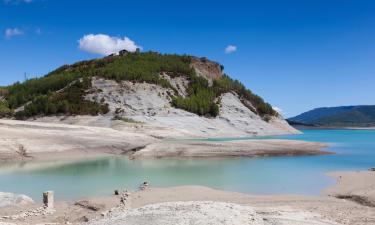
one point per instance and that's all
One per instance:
(194, 204)
(25, 140)
(355, 186)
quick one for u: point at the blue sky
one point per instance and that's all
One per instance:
(296, 54)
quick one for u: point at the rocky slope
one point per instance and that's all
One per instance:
(151, 104)
(188, 94)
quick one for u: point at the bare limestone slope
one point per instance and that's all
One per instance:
(150, 103)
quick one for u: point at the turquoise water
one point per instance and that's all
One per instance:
(275, 175)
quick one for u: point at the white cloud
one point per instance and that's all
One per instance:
(230, 49)
(106, 45)
(11, 32)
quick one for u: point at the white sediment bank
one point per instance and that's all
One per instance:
(25, 140)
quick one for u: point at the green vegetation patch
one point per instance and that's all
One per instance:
(200, 100)
(4, 109)
(68, 101)
(202, 97)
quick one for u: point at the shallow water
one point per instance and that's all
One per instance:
(275, 175)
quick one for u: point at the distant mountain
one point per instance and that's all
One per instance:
(344, 116)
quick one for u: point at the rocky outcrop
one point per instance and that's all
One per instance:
(206, 68)
(179, 83)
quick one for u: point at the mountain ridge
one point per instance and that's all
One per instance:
(340, 116)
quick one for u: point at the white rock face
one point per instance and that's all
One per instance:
(132, 99)
(239, 116)
(185, 213)
(150, 103)
(10, 199)
(179, 83)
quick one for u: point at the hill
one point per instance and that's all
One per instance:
(344, 116)
(146, 87)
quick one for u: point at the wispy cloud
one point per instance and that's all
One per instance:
(17, 1)
(11, 32)
(106, 45)
(230, 49)
(38, 31)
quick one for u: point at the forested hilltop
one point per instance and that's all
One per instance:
(63, 91)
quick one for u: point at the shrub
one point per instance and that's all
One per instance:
(4, 109)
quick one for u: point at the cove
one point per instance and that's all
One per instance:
(273, 175)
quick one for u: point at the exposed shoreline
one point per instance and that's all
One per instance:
(182, 150)
(244, 148)
(25, 141)
(356, 186)
(57, 141)
(285, 209)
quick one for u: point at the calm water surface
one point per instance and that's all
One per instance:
(276, 175)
